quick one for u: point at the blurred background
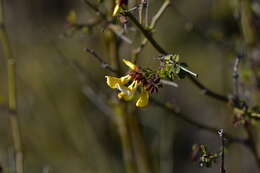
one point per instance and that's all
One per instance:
(64, 131)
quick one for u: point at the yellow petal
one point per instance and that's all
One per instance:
(131, 65)
(125, 79)
(116, 9)
(121, 95)
(112, 81)
(127, 96)
(123, 89)
(143, 99)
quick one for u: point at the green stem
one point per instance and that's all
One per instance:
(248, 29)
(121, 121)
(11, 72)
(140, 150)
(249, 34)
(119, 106)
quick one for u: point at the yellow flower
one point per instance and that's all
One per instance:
(116, 9)
(131, 65)
(128, 92)
(143, 99)
(113, 81)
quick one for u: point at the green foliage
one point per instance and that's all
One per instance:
(171, 68)
(205, 158)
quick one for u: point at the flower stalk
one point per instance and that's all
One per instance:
(12, 97)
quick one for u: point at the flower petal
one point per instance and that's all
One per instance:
(131, 65)
(143, 99)
(116, 9)
(125, 79)
(112, 81)
(121, 95)
(127, 96)
(123, 89)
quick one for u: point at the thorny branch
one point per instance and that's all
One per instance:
(250, 142)
(183, 117)
(155, 44)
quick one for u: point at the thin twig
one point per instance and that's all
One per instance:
(159, 13)
(106, 19)
(236, 78)
(102, 62)
(169, 83)
(11, 72)
(119, 33)
(96, 9)
(140, 12)
(222, 143)
(179, 115)
(151, 27)
(207, 91)
(94, 97)
(146, 33)
(147, 3)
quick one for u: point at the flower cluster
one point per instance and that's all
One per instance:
(148, 82)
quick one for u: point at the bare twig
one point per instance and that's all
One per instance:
(140, 12)
(207, 91)
(108, 21)
(94, 97)
(96, 9)
(11, 72)
(170, 83)
(179, 115)
(222, 141)
(98, 101)
(151, 27)
(120, 34)
(159, 13)
(102, 62)
(146, 33)
(146, 3)
(236, 78)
